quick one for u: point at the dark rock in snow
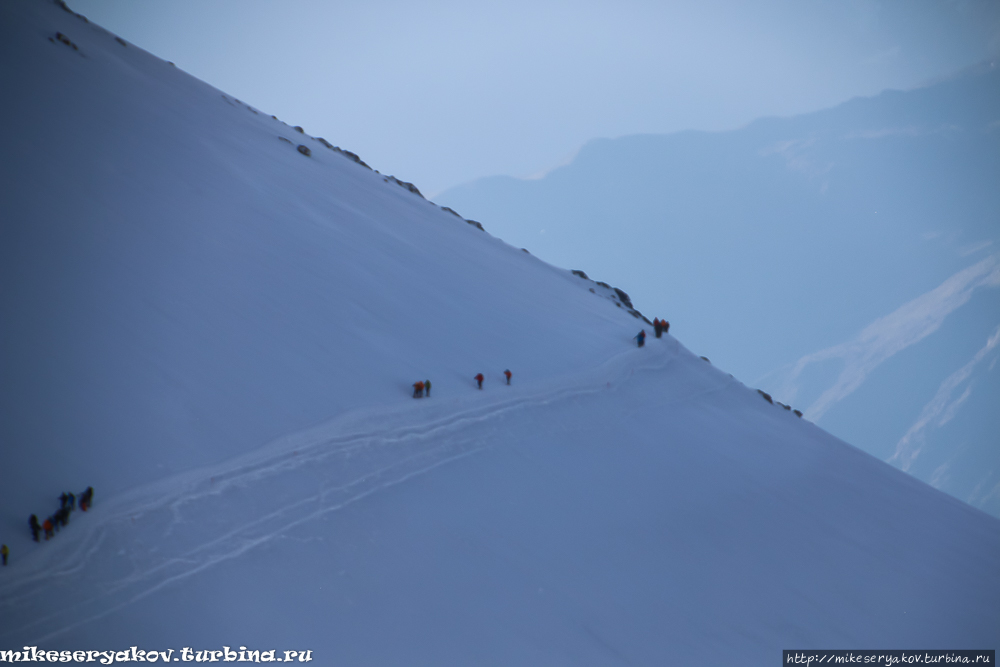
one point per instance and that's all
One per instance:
(352, 156)
(409, 186)
(624, 297)
(65, 40)
(62, 5)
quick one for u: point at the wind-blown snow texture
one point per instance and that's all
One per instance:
(219, 333)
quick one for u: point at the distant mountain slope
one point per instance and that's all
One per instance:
(846, 260)
(214, 319)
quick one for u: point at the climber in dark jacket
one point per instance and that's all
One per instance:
(657, 327)
(87, 498)
(427, 388)
(35, 527)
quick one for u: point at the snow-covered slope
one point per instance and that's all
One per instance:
(218, 332)
(182, 284)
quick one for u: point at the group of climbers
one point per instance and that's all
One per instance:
(659, 326)
(479, 378)
(422, 388)
(67, 504)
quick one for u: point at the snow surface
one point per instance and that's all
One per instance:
(219, 334)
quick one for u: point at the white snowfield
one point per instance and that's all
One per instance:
(219, 333)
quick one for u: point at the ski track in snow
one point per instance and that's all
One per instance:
(181, 526)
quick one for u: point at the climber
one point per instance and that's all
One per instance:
(87, 498)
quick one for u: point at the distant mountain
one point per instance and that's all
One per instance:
(847, 261)
(216, 321)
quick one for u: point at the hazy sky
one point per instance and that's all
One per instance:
(443, 92)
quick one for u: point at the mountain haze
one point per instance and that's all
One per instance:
(864, 241)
